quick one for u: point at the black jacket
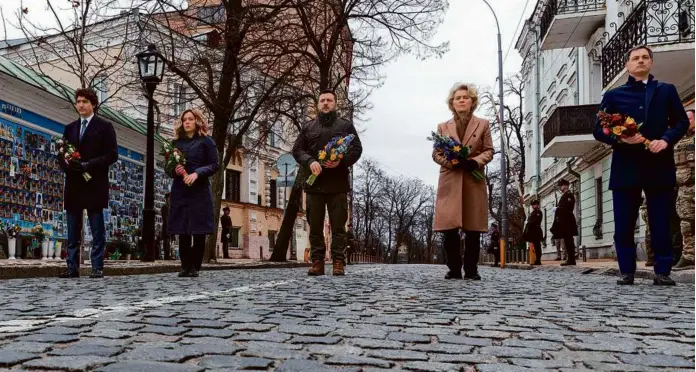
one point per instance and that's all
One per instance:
(564, 224)
(312, 138)
(99, 150)
(533, 232)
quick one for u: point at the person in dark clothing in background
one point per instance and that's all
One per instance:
(533, 233)
(494, 247)
(331, 187)
(564, 224)
(226, 223)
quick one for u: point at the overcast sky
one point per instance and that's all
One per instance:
(412, 101)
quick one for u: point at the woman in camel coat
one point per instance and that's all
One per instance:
(462, 201)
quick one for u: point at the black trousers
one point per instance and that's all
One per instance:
(337, 205)
(537, 251)
(191, 254)
(166, 247)
(569, 242)
(472, 248)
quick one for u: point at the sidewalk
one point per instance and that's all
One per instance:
(605, 267)
(15, 269)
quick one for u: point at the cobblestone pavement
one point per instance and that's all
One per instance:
(376, 318)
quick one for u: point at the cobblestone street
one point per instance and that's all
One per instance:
(376, 318)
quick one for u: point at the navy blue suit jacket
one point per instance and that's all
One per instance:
(657, 106)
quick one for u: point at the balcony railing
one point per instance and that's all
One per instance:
(570, 121)
(556, 7)
(651, 22)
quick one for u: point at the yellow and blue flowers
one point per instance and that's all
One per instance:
(453, 151)
(335, 150)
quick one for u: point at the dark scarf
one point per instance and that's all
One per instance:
(462, 121)
(327, 119)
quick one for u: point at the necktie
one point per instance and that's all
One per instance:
(82, 128)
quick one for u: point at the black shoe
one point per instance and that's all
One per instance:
(96, 274)
(450, 275)
(626, 279)
(193, 273)
(663, 280)
(472, 277)
(183, 273)
(568, 263)
(69, 274)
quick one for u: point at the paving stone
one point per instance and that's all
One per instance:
(431, 331)
(656, 360)
(600, 366)
(272, 345)
(335, 350)
(541, 363)
(80, 350)
(29, 347)
(69, 363)
(303, 330)
(510, 352)
(398, 355)
(142, 366)
(210, 332)
(408, 337)
(315, 340)
(500, 368)
(119, 326)
(375, 333)
(48, 338)
(489, 334)
(447, 339)
(163, 330)
(611, 347)
(11, 358)
(442, 348)
(169, 322)
(463, 358)
(349, 360)
(159, 354)
(369, 343)
(541, 336)
(61, 330)
(581, 356)
(234, 363)
(251, 327)
(110, 333)
(202, 323)
(274, 354)
(533, 344)
(296, 365)
(669, 347)
(430, 367)
(267, 336)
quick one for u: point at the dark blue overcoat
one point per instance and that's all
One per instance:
(658, 107)
(191, 209)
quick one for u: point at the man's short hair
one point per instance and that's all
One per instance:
(627, 57)
(328, 91)
(88, 94)
(535, 202)
(226, 209)
(563, 182)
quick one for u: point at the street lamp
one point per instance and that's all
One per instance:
(503, 154)
(151, 69)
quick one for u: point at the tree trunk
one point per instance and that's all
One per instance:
(280, 250)
(211, 243)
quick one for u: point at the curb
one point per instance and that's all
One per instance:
(679, 276)
(25, 272)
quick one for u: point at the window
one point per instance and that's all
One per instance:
(271, 139)
(271, 240)
(211, 15)
(234, 185)
(259, 200)
(234, 237)
(101, 88)
(274, 194)
(180, 103)
(599, 209)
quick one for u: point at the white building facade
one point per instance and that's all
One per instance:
(573, 51)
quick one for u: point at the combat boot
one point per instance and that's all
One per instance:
(317, 268)
(338, 268)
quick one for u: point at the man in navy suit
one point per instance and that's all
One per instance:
(636, 169)
(95, 140)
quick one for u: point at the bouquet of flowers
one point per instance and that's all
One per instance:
(13, 231)
(70, 154)
(38, 233)
(173, 157)
(333, 151)
(619, 126)
(453, 151)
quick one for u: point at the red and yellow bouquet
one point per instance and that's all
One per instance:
(619, 126)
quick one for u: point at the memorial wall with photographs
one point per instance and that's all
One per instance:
(31, 183)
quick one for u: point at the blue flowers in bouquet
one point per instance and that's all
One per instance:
(453, 151)
(333, 151)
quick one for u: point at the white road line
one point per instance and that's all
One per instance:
(20, 325)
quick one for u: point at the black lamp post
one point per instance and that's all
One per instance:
(151, 69)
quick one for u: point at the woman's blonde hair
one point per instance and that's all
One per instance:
(201, 123)
(470, 88)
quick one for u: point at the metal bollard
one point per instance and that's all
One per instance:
(584, 253)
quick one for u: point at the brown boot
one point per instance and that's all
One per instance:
(317, 268)
(338, 269)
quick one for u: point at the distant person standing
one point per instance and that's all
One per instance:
(533, 233)
(494, 246)
(226, 223)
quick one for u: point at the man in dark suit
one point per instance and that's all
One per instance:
(564, 225)
(494, 246)
(533, 233)
(226, 222)
(636, 169)
(95, 140)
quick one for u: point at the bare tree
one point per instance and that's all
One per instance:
(348, 41)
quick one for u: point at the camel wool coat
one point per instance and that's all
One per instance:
(462, 202)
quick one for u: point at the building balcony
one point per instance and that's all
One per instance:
(570, 23)
(667, 27)
(568, 132)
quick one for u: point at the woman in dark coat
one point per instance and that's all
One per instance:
(191, 213)
(533, 233)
